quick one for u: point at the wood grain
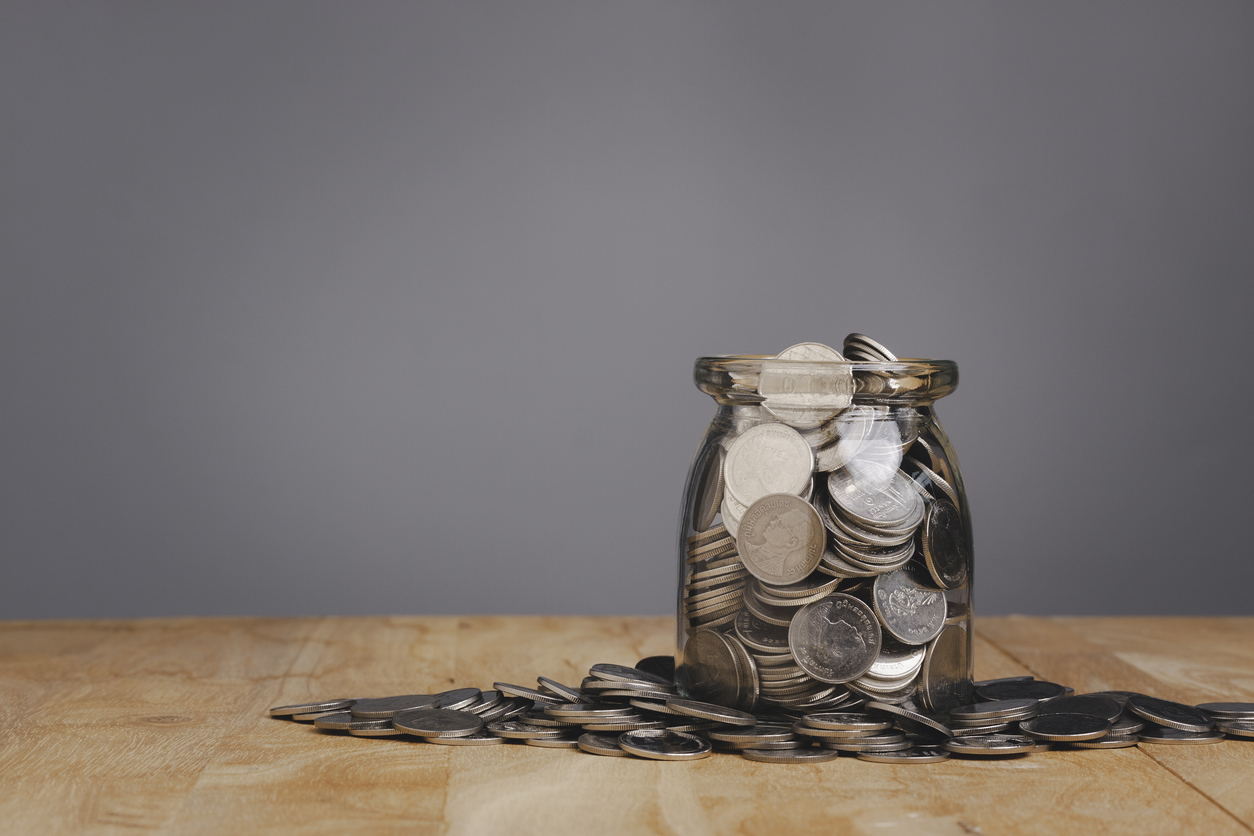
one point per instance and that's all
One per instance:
(162, 726)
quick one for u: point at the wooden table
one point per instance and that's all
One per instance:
(161, 725)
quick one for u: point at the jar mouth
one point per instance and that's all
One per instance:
(736, 378)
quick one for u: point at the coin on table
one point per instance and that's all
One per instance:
(944, 542)
(457, 698)
(911, 721)
(1127, 724)
(711, 668)
(480, 738)
(376, 731)
(708, 491)
(1229, 710)
(662, 667)
(982, 727)
(836, 639)
(579, 712)
(487, 701)
(1103, 707)
(438, 722)
(710, 711)
(767, 459)
(781, 539)
(1035, 689)
(1235, 728)
(1110, 741)
(897, 659)
(846, 721)
(345, 721)
(1162, 734)
(621, 726)
(383, 707)
(571, 695)
(553, 742)
(528, 693)
(601, 744)
(1064, 728)
(752, 735)
(1003, 710)
(312, 717)
(911, 611)
(810, 755)
(518, 730)
(911, 755)
(943, 682)
(664, 745)
(990, 744)
(1171, 714)
(319, 707)
(984, 682)
(505, 709)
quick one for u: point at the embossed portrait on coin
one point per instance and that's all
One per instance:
(784, 536)
(839, 635)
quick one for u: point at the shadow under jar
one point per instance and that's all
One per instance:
(825, 548)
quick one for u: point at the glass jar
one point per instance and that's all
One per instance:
(825, 547)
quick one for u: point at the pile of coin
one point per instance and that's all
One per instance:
(828, 558)
(619, 711)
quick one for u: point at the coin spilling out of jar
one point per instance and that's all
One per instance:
(825, 555)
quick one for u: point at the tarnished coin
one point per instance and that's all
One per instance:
(322, 706)
(990, 744)
(437, 722)
(944, 682)
(707, 493)
(1003, 710)
(710, 711)
(601, 744)
(911, 756)
(1171, 714)
(479, 738)
(767, 459)
(945, 548)
(710, 669)
(1064, 728)
(1103, 707)
(665, 745)
(836, 639)
(1229, 710)
(781, 539)
(1171, 735)
(383, 707)
(1035, 689)
(1110, 741)
(518, 730)
(1235, 728)
(911, 721)
(345, 721)
(908, 609)
(456, 699)
(810, 755)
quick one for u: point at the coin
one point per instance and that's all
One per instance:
(945, 550)
(487, 701)
(844, 720)
(1235, 728)
(588, 712)
(759, 635)
(664, 745)
(479, 738)
(455, 699)
(909, 610)
(663, 667)
(564, 691)
(752, 735)
(836, 639)
(866, 348)
(710, 711)
(1171, 714)
(894, 505)
(911, 721)
(1103, 707)
(1110, 741)
(979, 727)
(1127, 724)
(345, 721)
(990, 744)
(911, 755)
(805, 394)
(789, 755)
(553, 742)
(1029, 689)
(375, 731)
(311, 707)
(1173, 735)
(601, 744)
(383, 707)
(944, 682)
(508, 707)
(1019, 709)
(767, 459)
(781, 539)
(517, 730)
(626, 724)
(1229, 710)
(312, 716)
(708, 491)
(437, 722)
(1064, 728)
(528, 693)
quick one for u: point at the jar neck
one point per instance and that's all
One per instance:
(738, 379)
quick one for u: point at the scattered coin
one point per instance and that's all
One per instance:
(1235, 728)
(311, 708)
(1104, 707)
(1162, 734)
(437, 722)
(553, 742)
(345, 721)
(1034, 689)
(990, 744)
(790, 755)
(383, 707)
(1229, 710)
(1171, 714)
(1006, 710)
(665, 745)
(479, 738)
(1065, 728)
(710, 711)
(518, 730)
(1110, 741)
(601, 744)
(911, 755)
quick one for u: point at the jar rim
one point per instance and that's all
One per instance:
(733, 378)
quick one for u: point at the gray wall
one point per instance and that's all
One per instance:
(392, 307)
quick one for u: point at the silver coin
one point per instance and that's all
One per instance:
(752, 735)
(383, 707)
(911, 755)
(944, 682)
(712, 551)
(710, 670)
(437, 722)
(857, 745)
(1019, 709)
(479, 738)
(456, 699)
(539, 719)
(911, 721)
(802, 728)
(1103, 707)
(570, 695)
(710, 711)
(759, 635)
(1172, 735)
(846, 721)
(990, 744)
(656, 694)
(312, 716)
(321, 706)
(1229, 710)
(1036, 689)
(345, 721)
(984, 727)
(375, 731)
(664, 745)
(1171, 714)
(731, 512)
(507, 708)
(663, 667)
(1064, 728)
(487, 701)
(718, 532)
(774, 745)
(553, 742)
(587, 711)
(1110, 741)
(945, 549)
(836, 639)
(518, 730)
(528, 693)
(707, 494)
(781, 539)
(1235, 728)
(626, 725)
(908, 609)
(895, 504)
(767, 459)
(601, 744)
(789, 755)
(775, 616)
(1128, 724)
(805, 394)
(868, 347)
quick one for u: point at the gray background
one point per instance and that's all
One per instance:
(392, 308)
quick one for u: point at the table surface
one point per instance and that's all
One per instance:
(162, 725)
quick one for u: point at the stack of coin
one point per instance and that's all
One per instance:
(825, 530)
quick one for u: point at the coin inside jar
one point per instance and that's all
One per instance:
(836, 639)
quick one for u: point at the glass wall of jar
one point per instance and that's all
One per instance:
(825, 551)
